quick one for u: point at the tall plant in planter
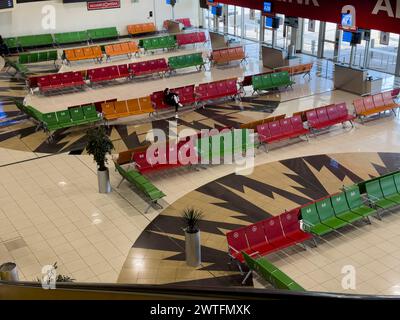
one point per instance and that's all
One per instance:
(99, 145)
(191, 218)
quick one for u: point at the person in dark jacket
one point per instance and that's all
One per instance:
(172, 99)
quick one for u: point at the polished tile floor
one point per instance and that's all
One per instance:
(50, 209)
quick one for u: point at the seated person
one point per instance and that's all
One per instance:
(172, 99)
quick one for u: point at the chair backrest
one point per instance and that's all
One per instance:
(63, 117)
(274, 128)
(359, 106)
(312, 117)
(286, 125)
(342, 109)
(353, 197)
(273, 230)
(378, 101)
(333, 112)
(309, 214)
(290, 221)
(76, 114)
(108, 108)
(396, 178)
(387, 98)
(255, 234)
(339, 203)
(374, 191)
(388, 186)
(322, 114)
(237, 239)
(324, 208)
(369, 103)
(297, 123)
(133, 105)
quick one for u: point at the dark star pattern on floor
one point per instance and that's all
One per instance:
(234, 201)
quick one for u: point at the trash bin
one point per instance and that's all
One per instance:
(9, 272)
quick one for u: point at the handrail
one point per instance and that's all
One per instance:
(85, 291)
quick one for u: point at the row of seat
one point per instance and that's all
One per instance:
(270, 81)
(292, 70)
(141, 183)
(85, 53)
(118, 109)
(270, 273)
(375, 104)
(328, 116)
(157, 43)
(183, 39)
(186, 61)
(186, 97)
(206, 147)
(60, 38)
(60, 81)
(266, 236)
(281, 130)
(141, 28)
(158, 66)
(227, 55)
(34, 57)
(119, 49)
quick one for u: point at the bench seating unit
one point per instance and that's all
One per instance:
(141, 183)
(71, 37)
(217, 90)
(186, 61)
(328, 116)
(267, 236)
(155, 66)
(190, 38)
(185, 21)
(281, 130)
(334, 212)
(270, 273)
(158, 43)
(186, 96)
(108, 73)
(35, 40)
(85, 53)
(141, 28)
(60, 81)
(119, 49)
(102, 33)
(119, 109)
(271, 81)
(34, 57)
(223, 56)
(375, 104)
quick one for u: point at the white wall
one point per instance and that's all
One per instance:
(26, 19)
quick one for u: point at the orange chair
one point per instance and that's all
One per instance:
(84, 54)
(141, 28)
(227, 55)
(118, 49)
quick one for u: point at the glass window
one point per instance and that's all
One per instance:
(382, 56)
(252, 24)
(234, 17)
(310, 36)
(330, 39)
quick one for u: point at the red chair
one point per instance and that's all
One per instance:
(388, 100)
(55, 82)
(237, 243)
(274, 234)
(201, 37)
(263, 133)
(258, 243)
(378, 102)
(323, 117)
(344, 113)
(123, 71)
(312, 119)
(298, 126)
(291, 226)
(212, 91)
(157, 98)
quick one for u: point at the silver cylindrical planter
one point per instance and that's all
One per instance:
(193, 249)
(9, 272)
(104, 181)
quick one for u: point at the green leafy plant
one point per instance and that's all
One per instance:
(192, 218)
(99, 145)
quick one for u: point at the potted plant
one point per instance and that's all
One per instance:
(191, 218)
(99, 145)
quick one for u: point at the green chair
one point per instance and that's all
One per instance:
(342, 210)
(23, 58)
(375, 195)
(77, 116)
(267, 83)
(43, 56)
(312, 222)
(389, 190)
(327, 215)
(50, 121)
(12, 43)
(91, 113)
(356, 203)
(64, 119)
